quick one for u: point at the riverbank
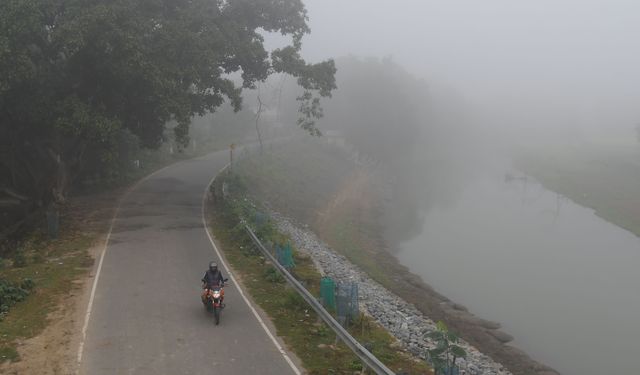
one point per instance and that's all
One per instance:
(403, 320)
(601, 176)
(303, 333)
(343, 207)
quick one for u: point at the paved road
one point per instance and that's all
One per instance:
(147, 317)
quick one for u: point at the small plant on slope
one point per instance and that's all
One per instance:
(447, 351)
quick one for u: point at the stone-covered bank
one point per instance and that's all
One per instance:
(403, 320)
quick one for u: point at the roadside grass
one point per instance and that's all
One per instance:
(299, 186)
(299, 179)
(53, 265)
(344, 234)
(312, 341)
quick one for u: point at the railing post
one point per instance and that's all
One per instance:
(368, 359)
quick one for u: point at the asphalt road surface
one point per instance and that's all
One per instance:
(146, 316)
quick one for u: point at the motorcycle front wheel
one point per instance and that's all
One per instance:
(216, 314)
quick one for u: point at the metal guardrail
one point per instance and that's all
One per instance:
(369, 360)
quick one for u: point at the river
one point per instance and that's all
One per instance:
(564, 282)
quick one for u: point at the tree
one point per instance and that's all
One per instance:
(259, 111)
(76, 74)
(447, 351)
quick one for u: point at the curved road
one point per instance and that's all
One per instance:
(146, 316)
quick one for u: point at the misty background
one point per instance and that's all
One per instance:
(443, 96)
(438, 98)
(540, 69)
(446, 85)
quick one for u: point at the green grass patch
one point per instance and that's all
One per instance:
(595, 176)
(343, 234)
(312, 341)
(53, 265)
(299, 179)
(9, 354)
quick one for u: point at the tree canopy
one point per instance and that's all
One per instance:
(78, 74)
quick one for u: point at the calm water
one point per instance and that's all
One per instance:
(561, 280)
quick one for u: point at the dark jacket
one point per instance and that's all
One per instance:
(212, 279)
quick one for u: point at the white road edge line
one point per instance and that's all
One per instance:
(246, 300)
(99, 269)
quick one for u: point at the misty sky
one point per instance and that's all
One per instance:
(542, 62)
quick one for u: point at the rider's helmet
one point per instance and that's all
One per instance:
(213, 266)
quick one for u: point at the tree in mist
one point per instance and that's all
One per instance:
(380, 108)
(383, 112)
(79, 75)
(415, 133)
(259, 111)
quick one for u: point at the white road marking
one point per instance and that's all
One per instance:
(99, 269)
(246, 300)
(104, 250)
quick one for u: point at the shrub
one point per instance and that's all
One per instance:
(272, 275)
(38, 257)
(294, 301)
(19, 259)
(355, 365)
(11, 293)
(443, 357)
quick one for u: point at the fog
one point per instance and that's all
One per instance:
(434, 90)
(479, 158)
(546, 67)
(477, 80)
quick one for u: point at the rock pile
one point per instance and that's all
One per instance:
(400, 318)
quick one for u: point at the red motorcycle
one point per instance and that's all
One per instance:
(213, 300)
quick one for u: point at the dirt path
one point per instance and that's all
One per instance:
(54, 350)
(353, 199)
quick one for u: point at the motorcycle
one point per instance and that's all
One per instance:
(214, 301)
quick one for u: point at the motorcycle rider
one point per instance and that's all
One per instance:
(212, 278)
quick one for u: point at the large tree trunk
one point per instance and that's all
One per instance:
(60, 184)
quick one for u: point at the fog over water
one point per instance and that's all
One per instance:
(557, 277)
(501, 75)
